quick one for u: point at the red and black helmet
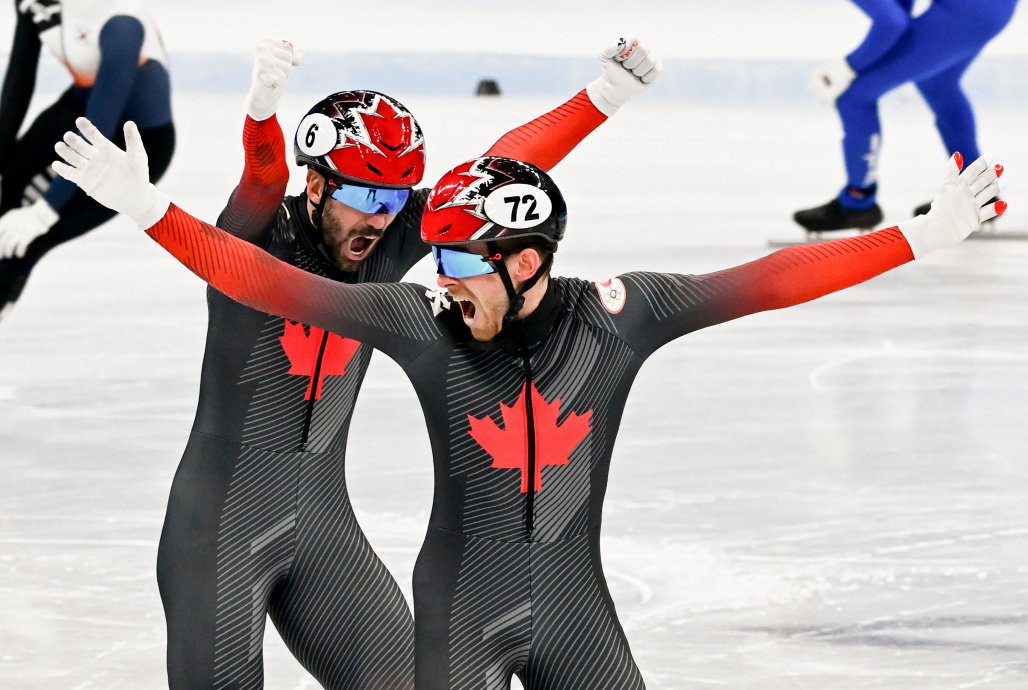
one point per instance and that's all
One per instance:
(362, 137)
(491, 198)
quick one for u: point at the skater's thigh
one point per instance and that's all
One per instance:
(946, 82)
(472, 611)
(187, 560)
(577, 640)
(340, 612)
(932, 45)
(27, 176)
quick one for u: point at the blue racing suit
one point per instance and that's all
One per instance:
(932, 50)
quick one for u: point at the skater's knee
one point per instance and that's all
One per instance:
(942, 94)
(856, 103)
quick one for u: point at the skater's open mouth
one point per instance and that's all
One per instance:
(359, 246)
(467, 308)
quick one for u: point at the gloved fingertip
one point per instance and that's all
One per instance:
(628, 48)
(1001, 207)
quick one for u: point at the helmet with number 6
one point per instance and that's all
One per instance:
(362, 137)
(489, 199)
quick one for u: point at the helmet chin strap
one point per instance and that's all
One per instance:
(515, 297)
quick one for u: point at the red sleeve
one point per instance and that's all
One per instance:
(659, 307)
(799, 274)
(396, 318)
(545, 141)
(237, 268)
(253, 206)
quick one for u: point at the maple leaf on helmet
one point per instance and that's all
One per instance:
(509, 446)
(362, 137)
(493, 198)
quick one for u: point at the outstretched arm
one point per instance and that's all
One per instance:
(395, 318)
(629, 68)
(661, 307)
(253, 206)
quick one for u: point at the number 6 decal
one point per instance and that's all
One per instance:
(517, 206)
(316, 135)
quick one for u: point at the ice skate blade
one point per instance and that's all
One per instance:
(986, 233)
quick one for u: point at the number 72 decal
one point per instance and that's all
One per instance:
(517, 206)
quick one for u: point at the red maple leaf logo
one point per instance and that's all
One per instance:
(303, 350)
(509, 446)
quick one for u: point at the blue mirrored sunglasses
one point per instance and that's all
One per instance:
(457, 264)
(370, 199)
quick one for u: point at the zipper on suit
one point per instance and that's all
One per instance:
(530, 426)
(309, 412)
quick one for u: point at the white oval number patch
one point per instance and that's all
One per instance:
(316, 135)
(517, 206)
(612, 294)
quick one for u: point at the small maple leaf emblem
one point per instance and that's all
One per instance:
(440, 300)
(303, 351)
(509, 446)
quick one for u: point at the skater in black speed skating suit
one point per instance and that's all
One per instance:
(523, 380)
(114, 54)
(259, 522)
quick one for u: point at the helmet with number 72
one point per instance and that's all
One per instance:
(364, 138)
(489, 199)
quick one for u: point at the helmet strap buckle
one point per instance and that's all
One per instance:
(516, 297)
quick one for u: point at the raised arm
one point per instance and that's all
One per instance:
(254, 203)
(395, 318)
(629, 68)
(661, 307)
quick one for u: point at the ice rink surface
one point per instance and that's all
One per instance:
(830, 496)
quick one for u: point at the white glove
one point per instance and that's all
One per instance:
(629, 68)
(272, 66)
(830, 80)
(960, 205)
(120, 180)
(19, 226)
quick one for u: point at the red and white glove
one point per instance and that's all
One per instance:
(120, 180)
(272, 65)
(959, 207)
(20, 226)
(830, 80)
(629, 68)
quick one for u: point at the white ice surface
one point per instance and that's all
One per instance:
(725, 29)
(832, 496)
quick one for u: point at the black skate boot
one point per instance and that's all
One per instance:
(835, 216)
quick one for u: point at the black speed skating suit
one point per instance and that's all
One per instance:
(509, 579)
(259, 521)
